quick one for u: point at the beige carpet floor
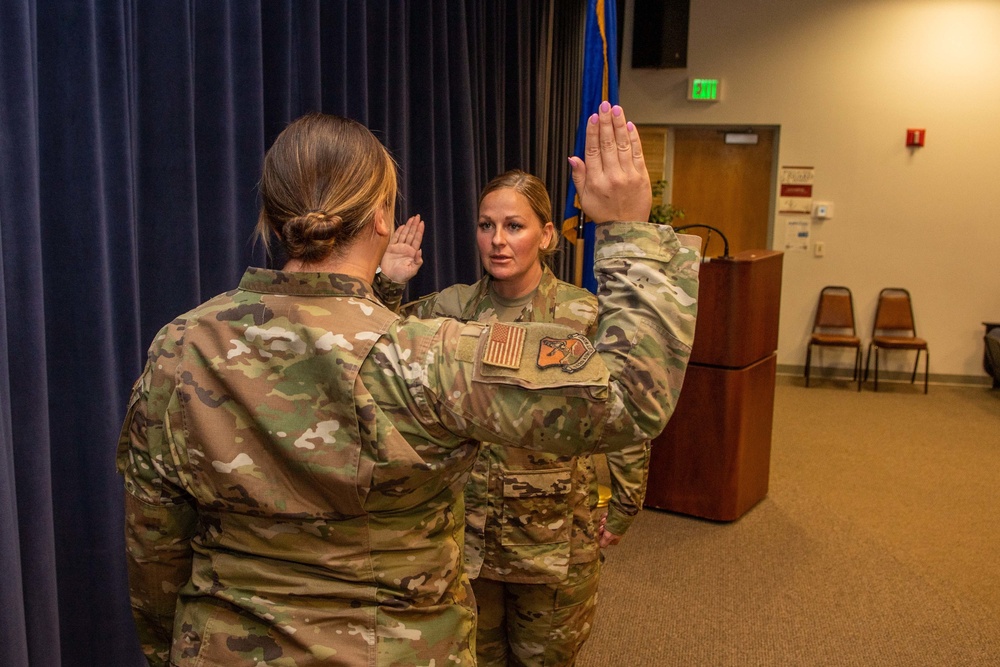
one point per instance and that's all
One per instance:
(877, 545)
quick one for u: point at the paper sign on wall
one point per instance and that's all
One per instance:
(795, 194)
(797, 236)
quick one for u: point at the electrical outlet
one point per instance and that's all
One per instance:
(819, 249)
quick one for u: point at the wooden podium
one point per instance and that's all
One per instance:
(713, 459)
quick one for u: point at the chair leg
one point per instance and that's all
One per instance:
(916, 363)
(809, 350)
(927, 367)
(876, 369)
(868, 360)
(857, 366)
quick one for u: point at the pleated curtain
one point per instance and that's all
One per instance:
(131, 139)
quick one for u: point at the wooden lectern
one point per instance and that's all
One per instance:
(713, 459)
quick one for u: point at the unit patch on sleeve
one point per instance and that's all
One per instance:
(505, 344)
(570, 354)
(562, 358)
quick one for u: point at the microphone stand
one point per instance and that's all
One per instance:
(725, 241)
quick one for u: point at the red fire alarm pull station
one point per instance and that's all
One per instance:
(915, 137)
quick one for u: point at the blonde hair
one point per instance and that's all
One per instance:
(533, 190)
(323, 181)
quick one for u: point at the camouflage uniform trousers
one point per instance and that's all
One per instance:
(547, 624)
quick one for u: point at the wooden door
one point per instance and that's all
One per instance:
(727, 186)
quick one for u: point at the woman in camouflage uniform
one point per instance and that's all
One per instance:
(293, 452)
(531, 538)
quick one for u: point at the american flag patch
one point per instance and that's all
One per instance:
(504, 345)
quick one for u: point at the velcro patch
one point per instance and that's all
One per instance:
(569, 354)
(468, 341)
(505, 344)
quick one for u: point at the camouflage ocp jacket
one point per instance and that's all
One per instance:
(529, 515)
(294, 454)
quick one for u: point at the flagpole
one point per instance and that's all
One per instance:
(579, 245)
(600, 83)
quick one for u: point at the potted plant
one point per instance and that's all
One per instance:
(663, 214)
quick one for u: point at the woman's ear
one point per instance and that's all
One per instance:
(548, 233)
(381, 222)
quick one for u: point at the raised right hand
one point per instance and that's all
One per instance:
(403, 257)
(612, 181)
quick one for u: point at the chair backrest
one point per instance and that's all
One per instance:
(894, 311)
(835, 309)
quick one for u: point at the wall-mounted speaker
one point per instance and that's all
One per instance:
(660, 33)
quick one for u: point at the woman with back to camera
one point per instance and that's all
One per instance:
(293, 452)
(532, 545)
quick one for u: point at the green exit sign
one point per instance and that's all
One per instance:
(704, 90)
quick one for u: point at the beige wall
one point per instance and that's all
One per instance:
(844, 79)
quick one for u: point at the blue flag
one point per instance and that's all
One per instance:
(600, 82)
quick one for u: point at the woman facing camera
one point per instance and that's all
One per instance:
(532, 541)
(294, 454)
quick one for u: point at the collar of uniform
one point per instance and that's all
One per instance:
(543, 298)
(545, 293)
(268, 281)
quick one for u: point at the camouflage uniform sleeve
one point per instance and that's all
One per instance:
(159, 517)
(471, 378)
(389, 292)
(424, 307)
(449, 302)
(629, 469)
(647, 280)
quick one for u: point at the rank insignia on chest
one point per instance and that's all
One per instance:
(505, 344)
(569, 354)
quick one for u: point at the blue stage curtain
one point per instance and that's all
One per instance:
(132, 138)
